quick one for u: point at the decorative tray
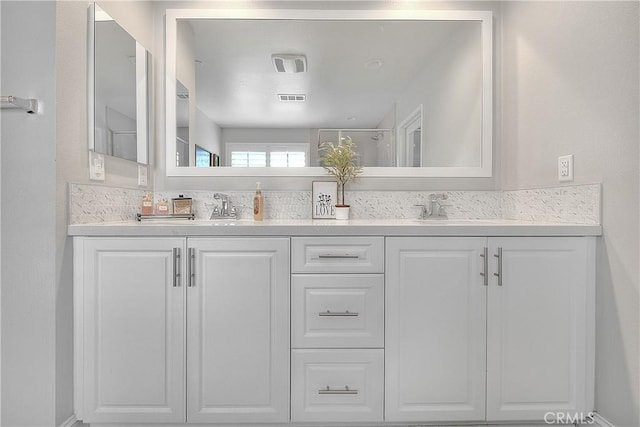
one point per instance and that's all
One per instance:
(140, 217)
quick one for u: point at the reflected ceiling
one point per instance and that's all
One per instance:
(237, 85)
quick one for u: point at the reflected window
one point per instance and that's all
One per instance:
(251, 155)
(287, 159)
(248, 159)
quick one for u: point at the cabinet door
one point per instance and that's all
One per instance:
(133, 330)
(435, 329)
(238, 330)
(538, 338)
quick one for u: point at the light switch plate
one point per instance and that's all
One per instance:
(565, 168)
(96, 166)
(142, 176)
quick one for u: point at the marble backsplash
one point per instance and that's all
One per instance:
(90, 203)
(578, 204)
(569, 204)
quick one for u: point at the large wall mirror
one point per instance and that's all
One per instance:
(119, 80)
(412, 89)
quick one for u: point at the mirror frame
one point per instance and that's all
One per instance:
(484, 17)
(143, 93)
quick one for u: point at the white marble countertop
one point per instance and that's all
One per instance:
(368, 227)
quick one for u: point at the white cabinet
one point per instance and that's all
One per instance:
(143, 305)
(129, 303)
(238, 330)
(539, 335)
(540, 327)
(337, 360)
(202, 330)
(435, 329)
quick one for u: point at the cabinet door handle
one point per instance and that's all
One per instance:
(485, 266)
(329, 256)
(191, 271)
(345, 390)
(176, 267)
(499, 273)
(345, 313)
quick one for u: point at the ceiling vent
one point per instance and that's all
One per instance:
(289, 63)
(294, 97)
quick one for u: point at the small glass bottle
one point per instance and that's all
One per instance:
(162, 207)
(147, 203)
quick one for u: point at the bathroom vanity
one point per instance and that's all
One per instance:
(334, 322)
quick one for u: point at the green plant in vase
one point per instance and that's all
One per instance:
(340, 161)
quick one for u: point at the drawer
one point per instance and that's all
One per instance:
(337, 311)
(337, 254)
(337, 385)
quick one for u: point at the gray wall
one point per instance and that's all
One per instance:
(571, 87)
(28, 224)
(72, 166)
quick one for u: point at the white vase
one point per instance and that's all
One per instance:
(342, 212)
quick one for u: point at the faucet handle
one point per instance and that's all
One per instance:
(442, 211)
(424, 212)
(215, 213)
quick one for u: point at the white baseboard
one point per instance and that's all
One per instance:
(69, 422)
(601, 421)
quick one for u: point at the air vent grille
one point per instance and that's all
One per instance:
(292, 97)
(284, 63)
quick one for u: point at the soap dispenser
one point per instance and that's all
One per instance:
(258, 204)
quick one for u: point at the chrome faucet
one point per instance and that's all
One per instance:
(435, 209)
(227, 211)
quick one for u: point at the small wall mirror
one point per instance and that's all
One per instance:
(119, 79)
(268, 86)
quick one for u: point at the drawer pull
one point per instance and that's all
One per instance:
(330, 390)
(338, 257)
(346, 313)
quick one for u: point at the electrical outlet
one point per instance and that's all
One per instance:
(565, 168)
(142, 176)
(96, 166)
